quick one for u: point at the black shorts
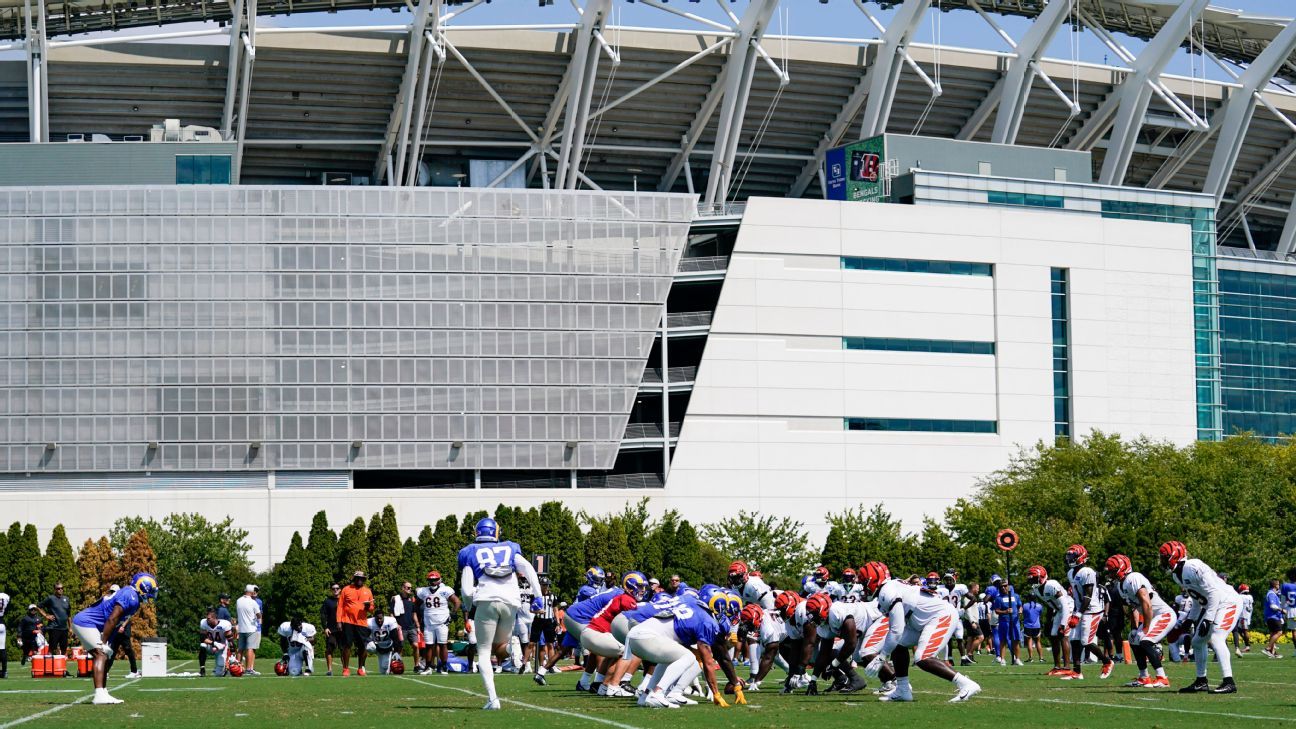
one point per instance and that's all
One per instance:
(543, 628)
(333, 640)
(1275, 625)
(985, 627)
(355, 636)
(1032, 632)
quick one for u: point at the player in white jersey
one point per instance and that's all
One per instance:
(754, 591)
(522, 628)
(861, 627)
(215, 636)
(1216, 608)
(385, 639)
(4, 650)
(953, 592)
(1242, 632)
(917, 621)
(1088, 598)
(296, 640)
(437, 599)
(769, 632)
(1061, 607)
(796, 647)
(489, 587)
(852, 591)
(1158, 619)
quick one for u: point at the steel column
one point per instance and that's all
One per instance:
(1287, 240)
(232, 67)
(245, 88)
(1259, 181)
(886, 67)
(579, 83)
(1134, 93)
(1021, 71)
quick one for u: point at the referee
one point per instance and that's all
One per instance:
(546, 620)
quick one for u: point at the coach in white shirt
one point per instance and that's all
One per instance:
(249, 628)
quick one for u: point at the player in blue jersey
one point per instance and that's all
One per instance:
(489, 589)
(578, 616)
(595, 579)
(670, 643)
(95, 624)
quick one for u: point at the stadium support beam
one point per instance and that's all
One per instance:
(245, 85)
(862, 91)
(885, 72)
(1021, 70)
(1240, 108)
(1287, 241)
(579, 80)
(396, 138)
(1259, 182)
(36, 47)
(1134, 94)
(232, 67)
(736, 80)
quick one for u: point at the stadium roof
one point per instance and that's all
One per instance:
(335, 99)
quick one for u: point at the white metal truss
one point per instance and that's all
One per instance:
(885, 71)
(582, 72)
(245, 85)
(36, 46)
(1126, 107)
(396, 138)
(736, 81)
(1287, 240)
(1238, 111)
(232, 67)
(1258, 183)
(1022, 71)
(902, 27)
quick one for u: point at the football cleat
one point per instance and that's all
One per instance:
(1139, 682)
(885, 688)
(1226, 687)
(970, 689)
(1196, 687)
(1158, 682)
(898, 694)
(656, 700)
(105, 698)
(492, 705)
(1071, 676)
(677, 697)
(1107, 669)
(853, 683)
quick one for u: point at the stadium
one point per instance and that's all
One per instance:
(266, 258)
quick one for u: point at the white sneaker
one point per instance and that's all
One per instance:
(104, 697)
(1017, 662)
(642, 699)
(492, 705)
(679, 698)
(1000, 661)
(134, 674)
(885, 688)
(898, 694)
(657, 701)
(617, 692)
(970, 689)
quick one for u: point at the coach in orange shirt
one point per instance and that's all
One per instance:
(355, 602)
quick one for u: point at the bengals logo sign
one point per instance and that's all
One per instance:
(865, 166)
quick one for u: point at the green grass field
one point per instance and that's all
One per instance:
(1013, 697)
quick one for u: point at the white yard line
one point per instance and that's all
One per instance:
(41, 691)
(1140, 707)
(60, 707)
(533, 707)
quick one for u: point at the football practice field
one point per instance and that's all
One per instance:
(1012, 697)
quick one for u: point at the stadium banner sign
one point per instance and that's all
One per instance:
(854, 172)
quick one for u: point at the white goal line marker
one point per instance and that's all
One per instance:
(533, 707)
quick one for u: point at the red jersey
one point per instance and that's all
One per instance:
(602, 620)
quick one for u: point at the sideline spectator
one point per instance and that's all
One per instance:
(1007, 605)
(4, 640)
(249, 628)
(405, 610)
(297, 641)
(355, 602)
(29, 628)
(216, 635)
(56, 609)
(223, 609)
(332, 630)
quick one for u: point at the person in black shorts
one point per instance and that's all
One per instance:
(972, 621)
(332, 631)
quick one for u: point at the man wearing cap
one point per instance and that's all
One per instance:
(28, 628)
(249, 628)
(436, 600)
(223, 609)
(56, 609)
(355, 603)
(332, 629)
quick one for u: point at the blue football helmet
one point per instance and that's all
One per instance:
(808, 584)
(635, 584)
(714, 599)
(735, 606)
(595, 576)
(146, 585)
(487, 530)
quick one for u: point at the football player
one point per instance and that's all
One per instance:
(297, 640)
(861, 628)
(4, 645)
(1157, 619)
(953, 592)
(597, 639)
(1215, 611)
(767, 630)
(851, 590)
(385, 639)
(1242, 633)
(1060, 608)
(670, 642)
(216, 636)
(595, 579)
(436, 598)
(522, 627)
(103, 618)
(824, 582)
(489, 587)
(917, 621)
(1088, 599)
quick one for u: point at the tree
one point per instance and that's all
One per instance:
(352, 549)
(24, 566)
(441, 550)
(296, 591)
(59, 565)
(937, 551)
(774, 545)
(686, 556)
(410, 565)
(384, 552)
(856, 536)
(4, 558)
(562, 539)
(321, 545)
(138, 557)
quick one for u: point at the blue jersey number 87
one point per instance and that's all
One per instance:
(496, 561)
